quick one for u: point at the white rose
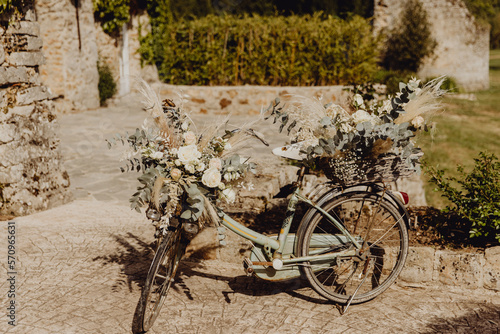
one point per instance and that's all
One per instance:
(229, 195)
(157, 155)
(189, 138)
(211, 178)
(215, 163)
(188, 154)
(417, 122)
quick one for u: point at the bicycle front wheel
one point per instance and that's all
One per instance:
(160, 276)
(376, 224)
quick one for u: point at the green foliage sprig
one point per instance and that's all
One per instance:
(478, 196)
(294, 50)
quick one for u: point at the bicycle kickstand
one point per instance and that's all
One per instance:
(365, 273)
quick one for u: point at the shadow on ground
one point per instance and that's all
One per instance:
(134, 255)
(247, 285)
(485, 320)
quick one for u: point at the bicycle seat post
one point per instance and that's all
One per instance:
(300, 176)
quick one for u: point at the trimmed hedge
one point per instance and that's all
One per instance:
(294, 50)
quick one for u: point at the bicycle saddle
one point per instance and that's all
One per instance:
(290, 151)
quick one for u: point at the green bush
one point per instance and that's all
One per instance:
(410, 41)
(478, 198)
(107, 84)
(277, 50)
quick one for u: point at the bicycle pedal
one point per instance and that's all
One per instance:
(247, 264)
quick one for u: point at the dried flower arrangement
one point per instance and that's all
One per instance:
(350, 146)
(184, 174)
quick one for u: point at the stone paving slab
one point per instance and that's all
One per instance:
(82, 265)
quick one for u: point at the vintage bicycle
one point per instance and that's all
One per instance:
(350, 245)
(352, 242)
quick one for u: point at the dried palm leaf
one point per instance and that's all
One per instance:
(153, 106)
(425, 102)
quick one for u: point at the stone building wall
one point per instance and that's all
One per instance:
(463, 44)
(73, 44)
(31, 175)
(71, 52)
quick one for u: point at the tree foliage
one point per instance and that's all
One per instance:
(112, 14)
(410, 42)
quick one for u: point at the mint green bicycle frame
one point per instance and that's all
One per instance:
(270, 244)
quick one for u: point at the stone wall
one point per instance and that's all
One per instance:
(31, 175)
(463, 44)
(71, 52)
(242, 100)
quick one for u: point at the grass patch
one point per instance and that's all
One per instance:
(464, 129)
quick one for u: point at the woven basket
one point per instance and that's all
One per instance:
(350, 172)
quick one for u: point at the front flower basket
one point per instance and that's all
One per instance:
(346, 172)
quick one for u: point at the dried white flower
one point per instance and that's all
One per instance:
(215, 163)
(418, 122)
(189, 138)
(362, 116)
(358, 100)
(200, 167)
(190, 168)
(157, 155)
(229, 195)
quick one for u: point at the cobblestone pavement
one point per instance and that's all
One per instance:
(81, 267)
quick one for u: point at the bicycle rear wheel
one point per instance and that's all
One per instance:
(375, 223)
(161, 274)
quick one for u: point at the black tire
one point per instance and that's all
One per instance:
(387, 246)
(161, 274)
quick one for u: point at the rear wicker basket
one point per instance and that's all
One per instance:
(350, 172)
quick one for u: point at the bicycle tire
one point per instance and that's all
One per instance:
(160, 276)
(387, 243)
